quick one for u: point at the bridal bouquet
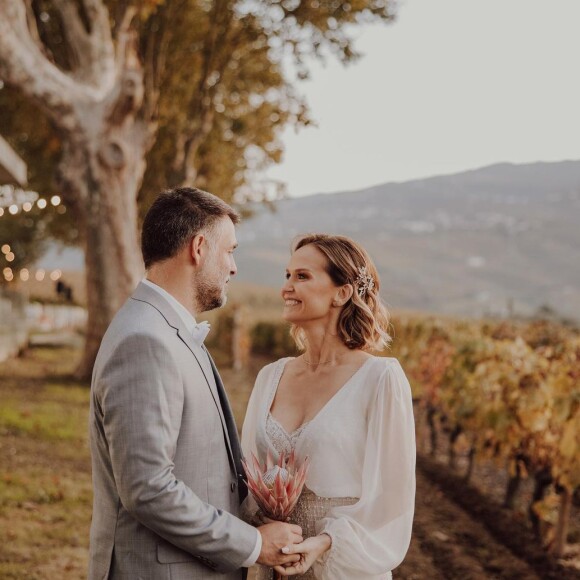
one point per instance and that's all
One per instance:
(276, 486)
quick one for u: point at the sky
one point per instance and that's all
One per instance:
(451, 85)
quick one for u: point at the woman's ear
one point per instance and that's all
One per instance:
(343, 295)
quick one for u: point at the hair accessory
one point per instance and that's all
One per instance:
(364, 282)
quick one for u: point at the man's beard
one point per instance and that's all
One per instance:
(210, 296)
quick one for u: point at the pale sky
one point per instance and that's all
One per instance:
(450, 85)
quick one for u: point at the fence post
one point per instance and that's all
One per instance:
(240, 338)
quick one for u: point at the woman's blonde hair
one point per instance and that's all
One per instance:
(364, 320)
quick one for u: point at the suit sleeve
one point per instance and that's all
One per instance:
(140, 393)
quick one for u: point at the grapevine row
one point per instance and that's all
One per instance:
(512, 392)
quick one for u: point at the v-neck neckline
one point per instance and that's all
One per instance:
(276, 383)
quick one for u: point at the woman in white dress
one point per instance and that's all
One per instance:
(348, 411)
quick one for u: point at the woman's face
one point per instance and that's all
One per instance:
(309, 291)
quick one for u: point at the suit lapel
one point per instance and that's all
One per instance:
(210, 373)
(144, 293)
(231, 427)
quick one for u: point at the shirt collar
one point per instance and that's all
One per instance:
(185, 315)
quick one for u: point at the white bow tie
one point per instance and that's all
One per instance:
(200, 331)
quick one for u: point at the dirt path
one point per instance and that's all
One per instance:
(450, 544)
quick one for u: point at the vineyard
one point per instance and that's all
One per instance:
(497, 409)
(503, 392)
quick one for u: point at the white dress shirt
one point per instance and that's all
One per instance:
(190, 322)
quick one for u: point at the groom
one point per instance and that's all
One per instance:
(167, 475)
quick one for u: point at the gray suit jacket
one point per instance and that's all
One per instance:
(165, 454)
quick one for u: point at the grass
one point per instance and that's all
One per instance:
(45, 487)
(45, 482)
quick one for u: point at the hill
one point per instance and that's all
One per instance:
(499, 240)
(495, 240)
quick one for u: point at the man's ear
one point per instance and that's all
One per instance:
(343, 295)
(198, 249)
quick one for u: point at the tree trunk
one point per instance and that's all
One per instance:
(561, 533)
(542, 480)
(512, 489)
(453, 436)
(105, 121)
(514, 482)
(432, 429)
(470, 464)
(106, 173)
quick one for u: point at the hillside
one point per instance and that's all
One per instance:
(493, 241)
(480, 242)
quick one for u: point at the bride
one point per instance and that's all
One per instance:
(348, 411)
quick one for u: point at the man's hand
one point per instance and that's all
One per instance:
(309, 551)
(276, 536)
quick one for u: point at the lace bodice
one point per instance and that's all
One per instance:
(283, 441)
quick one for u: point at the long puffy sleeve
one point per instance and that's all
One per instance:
(371, 537)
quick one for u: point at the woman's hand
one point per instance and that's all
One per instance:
(310, 550)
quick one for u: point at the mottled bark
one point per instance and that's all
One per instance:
(99, 110)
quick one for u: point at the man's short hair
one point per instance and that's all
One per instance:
(176, 217)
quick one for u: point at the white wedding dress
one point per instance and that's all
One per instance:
(360, 487)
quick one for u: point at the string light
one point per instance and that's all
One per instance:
(12, 201)
(25, 274)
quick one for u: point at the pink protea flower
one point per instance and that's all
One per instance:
(276, 487)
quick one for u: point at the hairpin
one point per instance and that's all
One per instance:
(364, 282)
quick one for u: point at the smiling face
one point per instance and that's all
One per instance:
(309, 291)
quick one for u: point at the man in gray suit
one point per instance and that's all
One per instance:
(167, 475)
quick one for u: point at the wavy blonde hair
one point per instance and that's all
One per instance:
(364, 320)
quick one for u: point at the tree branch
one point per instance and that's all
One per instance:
(23, 65)
(77, 37)
(92, 48)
